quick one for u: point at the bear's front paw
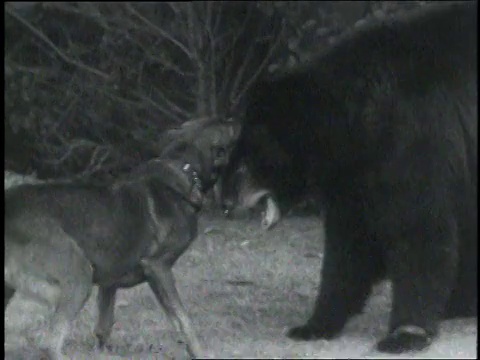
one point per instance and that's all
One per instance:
(405, 338)
(312, 332)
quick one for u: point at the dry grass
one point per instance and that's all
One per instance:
(242, 288)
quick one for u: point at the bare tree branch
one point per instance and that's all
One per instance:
(191, 33)
(229, 49)
(237, 33)
(212, 60)
(160, 31)
(259, 70)
(194, 62)
(72, 146)
(97, 160)
(10, 67)
(158, 107)
(241, 71)
(172, 105)
(59, 52)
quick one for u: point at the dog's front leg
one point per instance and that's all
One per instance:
(160, 279)
(106, 308)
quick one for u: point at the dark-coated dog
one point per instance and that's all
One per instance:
(60, 239)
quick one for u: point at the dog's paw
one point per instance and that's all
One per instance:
(102, 343)
(405, 338)
(311, 332)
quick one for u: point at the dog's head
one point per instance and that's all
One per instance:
(202, 148)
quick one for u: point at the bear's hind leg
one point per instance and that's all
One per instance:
(422, 265)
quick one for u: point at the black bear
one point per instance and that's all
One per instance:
(384, 125)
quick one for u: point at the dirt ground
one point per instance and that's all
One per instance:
(243, 288)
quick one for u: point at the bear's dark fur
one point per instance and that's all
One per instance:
(384, 124)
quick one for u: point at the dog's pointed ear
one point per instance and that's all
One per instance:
(170, 139)
(188, 131)
(163, 141)
(202, 133)
(234, 129)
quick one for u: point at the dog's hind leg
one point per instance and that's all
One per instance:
(160, 279)
(51, 270)
(76, 285)
(106, 308)
(48, 290)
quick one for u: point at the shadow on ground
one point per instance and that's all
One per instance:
(242, 288)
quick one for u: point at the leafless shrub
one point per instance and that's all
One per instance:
(90, 86)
